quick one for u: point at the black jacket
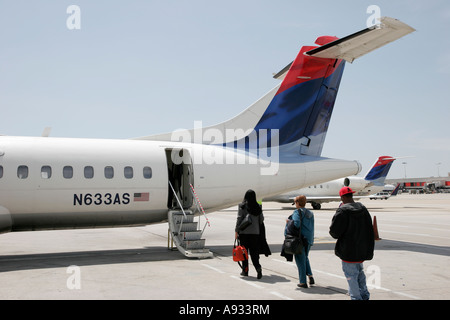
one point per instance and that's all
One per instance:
(290, 230)
(256, 228)
(353, 229)
(263, 245)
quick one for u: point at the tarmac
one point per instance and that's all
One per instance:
(410, 263)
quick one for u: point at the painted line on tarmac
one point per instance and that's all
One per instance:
(255, 285)
(292, 264)
(279, 295)
(343, 278)
(415, 234)
(247, 282)
(212, 268)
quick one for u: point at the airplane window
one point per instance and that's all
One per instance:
(147, 172)
(128, 172)
(46, 172)
(22, 172)
(1, 171)
(68, 172)
(88, 172)
(109, 172)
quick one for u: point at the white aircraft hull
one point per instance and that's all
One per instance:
(38, 203)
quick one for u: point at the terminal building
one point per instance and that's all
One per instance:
(422, 185)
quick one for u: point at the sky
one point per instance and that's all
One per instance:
(123, 69)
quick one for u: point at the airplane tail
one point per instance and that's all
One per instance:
(380, 169)
(295, 115)
(301, 109)
(395, 191)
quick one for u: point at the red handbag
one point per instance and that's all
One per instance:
(239, 252)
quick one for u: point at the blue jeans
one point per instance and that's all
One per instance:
(302, 261)
(354, 272)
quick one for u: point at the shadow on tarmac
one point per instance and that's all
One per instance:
(86, 258)
(150, 254)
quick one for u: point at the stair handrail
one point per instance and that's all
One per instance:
(181, 206)
(199, 206)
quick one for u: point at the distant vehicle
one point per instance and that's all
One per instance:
(384, 194)
(380, 195)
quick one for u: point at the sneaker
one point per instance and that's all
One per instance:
(311, 280)
(302, 285)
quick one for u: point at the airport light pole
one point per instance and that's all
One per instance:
(438, 164)
(405, 163)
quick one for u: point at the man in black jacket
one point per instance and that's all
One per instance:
(353, 229)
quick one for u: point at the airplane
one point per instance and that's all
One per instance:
(275, 145)
(317, 194)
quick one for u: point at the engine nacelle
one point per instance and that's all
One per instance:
(356, 184)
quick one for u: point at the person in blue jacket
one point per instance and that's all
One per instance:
(304, 219)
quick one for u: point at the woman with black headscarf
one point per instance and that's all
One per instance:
(251, 236)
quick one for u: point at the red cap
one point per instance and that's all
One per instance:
(345, 190)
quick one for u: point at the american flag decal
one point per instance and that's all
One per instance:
(143, 196)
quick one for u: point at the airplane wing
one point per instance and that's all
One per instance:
(358, 44)
(323, 199)
(319, 199)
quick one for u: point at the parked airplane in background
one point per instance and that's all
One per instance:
(275, 146)
(317, 194)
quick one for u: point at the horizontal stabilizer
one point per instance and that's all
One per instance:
(358, 44)
(280, 75)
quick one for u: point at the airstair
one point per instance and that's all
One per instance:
(184, 232)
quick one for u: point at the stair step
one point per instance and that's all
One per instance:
(203, 250)
(191, 235)
(187, 226)
(188, 239)
(177, 218)
(180, 213)
(199, 253)
(194, 244)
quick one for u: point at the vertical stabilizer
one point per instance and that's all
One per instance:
(380, 169)
(295, 114)
(302, 107)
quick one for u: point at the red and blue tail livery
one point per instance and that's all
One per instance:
(380, 170)
(302, 107)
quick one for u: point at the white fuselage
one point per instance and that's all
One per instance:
(329, 191)
(47, 183)
(359, 185)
